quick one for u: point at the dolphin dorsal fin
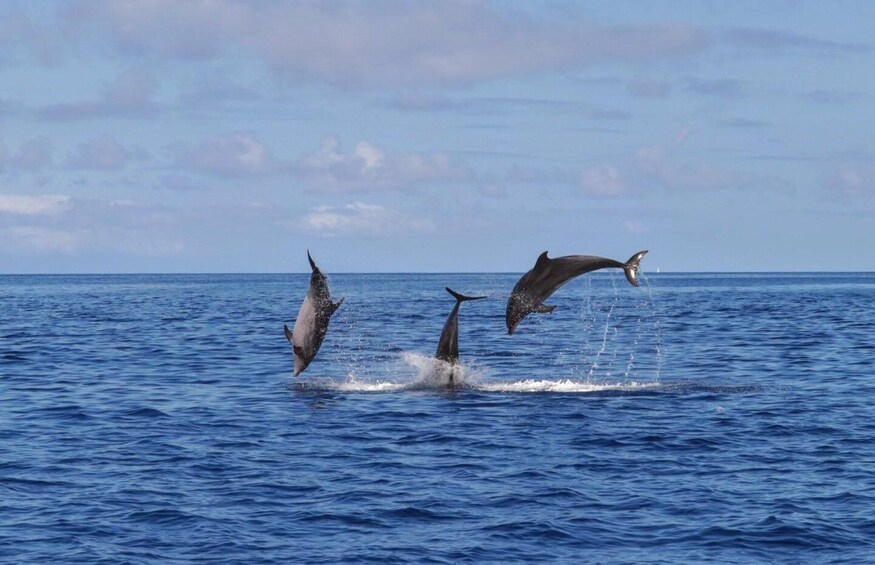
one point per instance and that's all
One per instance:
(542, 261)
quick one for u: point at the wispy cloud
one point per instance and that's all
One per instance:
(54, 223)
(102, 154)
(834, 97)
(237, 154)
(27, 205)
(744, 123)
(22, 38)
(417, 101)
(363, 219)
(647, 88)
(130, 95)
(368, 167)
(37, 238)
(603, 181)
(34, 154)
(719, 88)
(851, 179)
(377, 43)
(776, 41)
(669, 166)
(663, 165)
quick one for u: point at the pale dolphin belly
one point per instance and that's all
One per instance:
(305, 335)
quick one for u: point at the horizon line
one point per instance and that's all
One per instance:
(646, 273)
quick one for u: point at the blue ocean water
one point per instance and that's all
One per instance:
(700, 417)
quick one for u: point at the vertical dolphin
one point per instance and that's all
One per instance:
(548, 275)
(311, 324)
(448, 345)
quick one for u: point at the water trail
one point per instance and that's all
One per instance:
(604, 344)
(654, 315)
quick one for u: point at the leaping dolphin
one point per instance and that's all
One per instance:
(311, 324)
(448, 346)
(548, 275)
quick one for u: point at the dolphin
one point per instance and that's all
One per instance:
(311, 324)
(448, 345)
(548, 275)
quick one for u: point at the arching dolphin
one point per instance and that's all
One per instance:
(548, 275)
(311, 324)
(448, 345)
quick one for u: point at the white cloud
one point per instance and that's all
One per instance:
(22, 204)
(380, 42)
(363, 219)
(228, 155)
(371, 168)
(603, 181)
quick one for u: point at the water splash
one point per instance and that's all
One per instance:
(563, 386)
(420, 372)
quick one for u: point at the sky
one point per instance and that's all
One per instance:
(222, 136)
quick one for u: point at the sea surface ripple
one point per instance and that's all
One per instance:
(700, 417)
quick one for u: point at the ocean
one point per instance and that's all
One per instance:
(698, 418)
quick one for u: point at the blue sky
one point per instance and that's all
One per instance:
(219, 136)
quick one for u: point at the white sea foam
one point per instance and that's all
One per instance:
(562, 386)
(421, 372)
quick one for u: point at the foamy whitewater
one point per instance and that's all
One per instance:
(424, 373)
(698, 418)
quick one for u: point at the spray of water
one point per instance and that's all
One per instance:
(620, 349)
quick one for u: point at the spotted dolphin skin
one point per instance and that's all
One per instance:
(548, 275)
(311, 324)
(448, 345)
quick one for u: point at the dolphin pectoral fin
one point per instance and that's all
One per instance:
(631, 267)
(336, 305)
(288, 333)
(543, 309)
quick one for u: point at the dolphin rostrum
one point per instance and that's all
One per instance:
(448, 346)
(548, 275)
(311, 324)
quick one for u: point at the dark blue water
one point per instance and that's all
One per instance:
(713, 417)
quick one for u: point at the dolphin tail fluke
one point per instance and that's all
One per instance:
(631, 267)
(288, 333)
(462, 297)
